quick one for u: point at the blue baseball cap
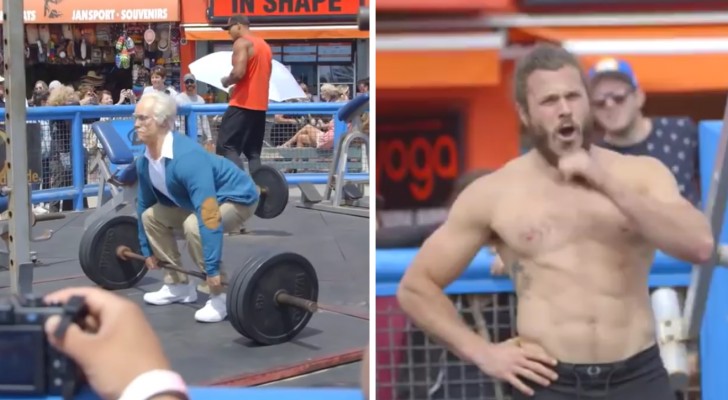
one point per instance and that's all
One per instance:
(614, 68)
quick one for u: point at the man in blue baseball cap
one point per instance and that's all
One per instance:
(617, 102)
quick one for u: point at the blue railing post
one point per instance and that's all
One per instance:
(340, 129)
(191, 124)
(78, 160)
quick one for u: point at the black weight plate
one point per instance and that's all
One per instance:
(256, 312)
(235, 292)
(97, 253)
(274, 188)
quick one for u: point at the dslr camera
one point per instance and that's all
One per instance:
(29, 365)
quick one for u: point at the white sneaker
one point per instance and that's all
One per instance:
(39, 209)
(215, 310)
(173, 293)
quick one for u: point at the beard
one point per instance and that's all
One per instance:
(541, 138)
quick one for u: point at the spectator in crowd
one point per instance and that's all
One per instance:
(284, 126)
(309, 96)
(40, 86)
(617, 101)
(363, 86)
(40, 99)
(107, 98)
(309, 136)
(320, 134)
(127, 96)
(60, 146)
(190, 96)
(331, 93)
(87, 95)
(54, 84)
(158, 75)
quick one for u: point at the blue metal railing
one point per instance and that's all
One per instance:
(77, 114)
(391, 264)
(229, 393)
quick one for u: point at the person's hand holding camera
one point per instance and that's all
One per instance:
(126, 95)
(117, 344)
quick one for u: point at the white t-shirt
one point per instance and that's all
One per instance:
(150, 89)
(203, 124)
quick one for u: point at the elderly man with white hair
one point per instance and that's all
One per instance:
(183, 187)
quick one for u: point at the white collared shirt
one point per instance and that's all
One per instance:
(157, 172)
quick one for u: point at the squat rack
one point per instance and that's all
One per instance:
(16, 163)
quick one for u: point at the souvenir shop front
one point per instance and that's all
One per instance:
(113, 48)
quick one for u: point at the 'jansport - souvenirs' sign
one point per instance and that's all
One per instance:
(89, 11)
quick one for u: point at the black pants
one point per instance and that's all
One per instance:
(640, 377)
(241, 131)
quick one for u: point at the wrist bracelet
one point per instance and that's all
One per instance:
(154, 383)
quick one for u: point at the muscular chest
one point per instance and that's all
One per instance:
(550, 217)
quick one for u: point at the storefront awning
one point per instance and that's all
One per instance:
(206, 32)
(450, 6)
(95, 12)
(438, 61)
(664, 58)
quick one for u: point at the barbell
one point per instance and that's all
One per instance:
(270, 299)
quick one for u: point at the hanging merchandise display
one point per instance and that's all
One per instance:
(125, 50)
(107, 47)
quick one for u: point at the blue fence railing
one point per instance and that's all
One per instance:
(229, 393)
(79, 188)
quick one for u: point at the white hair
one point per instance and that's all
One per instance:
(164, 108)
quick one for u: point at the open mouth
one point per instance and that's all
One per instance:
(567, 132)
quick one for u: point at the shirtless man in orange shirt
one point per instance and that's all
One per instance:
(243, 124)
(583, 223)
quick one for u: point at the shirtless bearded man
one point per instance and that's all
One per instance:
(583, 224)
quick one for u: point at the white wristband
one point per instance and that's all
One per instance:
(154, 383)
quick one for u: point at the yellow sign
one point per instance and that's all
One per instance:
(35, 164)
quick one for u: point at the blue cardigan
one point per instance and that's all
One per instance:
(197, 181)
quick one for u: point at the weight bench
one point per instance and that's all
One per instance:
(122, 182)
(342, 195)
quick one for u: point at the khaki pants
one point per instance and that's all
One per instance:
(160, 223)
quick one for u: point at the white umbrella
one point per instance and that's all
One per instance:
(211, 68)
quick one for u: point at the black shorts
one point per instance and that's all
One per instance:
(242, 130)
(640, 377)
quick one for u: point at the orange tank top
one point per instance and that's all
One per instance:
(251, 91)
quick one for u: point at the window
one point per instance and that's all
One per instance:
(338, 75)
(313, 62)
